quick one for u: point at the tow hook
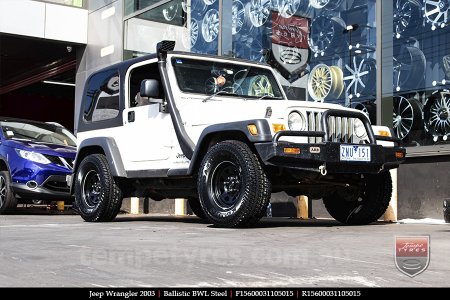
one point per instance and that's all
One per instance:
(323, 170)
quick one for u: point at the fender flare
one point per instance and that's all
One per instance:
(264, 135)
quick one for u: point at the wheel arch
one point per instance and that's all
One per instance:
(230, 131)
(100, 145)
(3, 164)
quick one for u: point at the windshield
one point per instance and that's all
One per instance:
(38, 132)
(229, 79)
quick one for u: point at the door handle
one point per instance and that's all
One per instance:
(131, 116)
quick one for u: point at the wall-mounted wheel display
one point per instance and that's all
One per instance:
(327, 4)
(367, 107)
(326, 35)
(437, 13)
(409, 68)
(407, 17)
(437, 115)
(407, 116)
(361, 77)
(209, 2)
(258, 12)
(193, 32)
(210, 25)
(286, 8)
(237, 16)
(198, 8)
(170, 12)
(325, 83)
(260, 86)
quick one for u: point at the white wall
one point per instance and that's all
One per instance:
(44, 20)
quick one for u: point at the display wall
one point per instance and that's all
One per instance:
(323, 51)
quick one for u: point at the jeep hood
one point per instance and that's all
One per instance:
(217, 111)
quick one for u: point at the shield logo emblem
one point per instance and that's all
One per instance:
(290, 52)
(412, 254)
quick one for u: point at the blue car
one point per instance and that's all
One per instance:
(35, 159)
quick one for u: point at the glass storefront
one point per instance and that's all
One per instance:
(77, 3)
(323, 51)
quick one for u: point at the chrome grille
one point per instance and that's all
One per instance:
(339, 129)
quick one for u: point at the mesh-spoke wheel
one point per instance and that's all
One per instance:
(210, 25)
(258, 12)
(286, 8)
(437, 13)
(327, 4)
(409, 68)
(325, 83)
(260, 86)
(237, 16)
(361, 76)
(407, 116)
(407, 17)
(326, 35)
(437, 115)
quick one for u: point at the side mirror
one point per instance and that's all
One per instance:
(150, 88)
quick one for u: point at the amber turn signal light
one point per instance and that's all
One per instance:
(399, 154)
(292, 150)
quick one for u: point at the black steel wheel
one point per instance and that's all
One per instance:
(8, 202)
(363, 202)
(233, 188)
(196, 208)
(407, 116)
(97, 196)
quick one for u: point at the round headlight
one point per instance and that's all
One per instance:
(296, 122)
(360, 130)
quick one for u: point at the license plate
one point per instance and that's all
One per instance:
(355, 153)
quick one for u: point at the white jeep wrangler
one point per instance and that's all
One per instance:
(221, 133)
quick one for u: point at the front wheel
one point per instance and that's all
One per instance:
(364, 202)
(233, 188)
(8, 202)
(97, 196)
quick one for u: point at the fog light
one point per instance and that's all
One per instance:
(292, 150)
(32, 184)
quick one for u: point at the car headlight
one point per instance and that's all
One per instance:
(296, 122)
(359, 129)
(33, 156)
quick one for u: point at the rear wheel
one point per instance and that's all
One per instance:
(8, 202)
(196, 208)
(233, 188)
(362, 205)
(97, 196)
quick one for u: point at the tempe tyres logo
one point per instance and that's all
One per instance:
(412, 254)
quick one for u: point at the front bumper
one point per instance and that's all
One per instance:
(314, 156)
(325, 157)
(54, 188)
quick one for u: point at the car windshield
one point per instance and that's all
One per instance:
(38, 132)
(229, 79)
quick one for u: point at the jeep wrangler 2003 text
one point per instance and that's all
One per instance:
(221, 133)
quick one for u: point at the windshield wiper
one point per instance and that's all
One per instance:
(263, 97)
(218, 93)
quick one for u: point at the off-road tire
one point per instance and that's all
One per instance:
(239, 200)
(366, 207)
(196, 208)
(97, 196)
(8, 201)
